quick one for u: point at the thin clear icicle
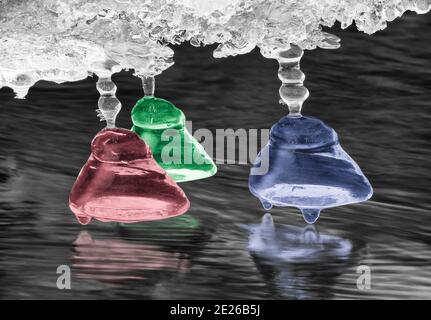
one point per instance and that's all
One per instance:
(292, 91)
(109, 105)
(148, 84)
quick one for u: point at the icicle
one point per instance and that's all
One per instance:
(109, 105)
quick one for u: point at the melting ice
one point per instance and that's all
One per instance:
(63, 40)
(307, 169)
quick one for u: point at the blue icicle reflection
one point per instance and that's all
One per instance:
(294, 244)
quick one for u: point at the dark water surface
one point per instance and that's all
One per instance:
(375, 91)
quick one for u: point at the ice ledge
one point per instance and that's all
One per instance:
(64, 40)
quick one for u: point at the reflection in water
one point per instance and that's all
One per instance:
(150, 252)
(183, 222)
(11, 182)
(298, 262)
(116, 259)
(178, 232)
(294, 244)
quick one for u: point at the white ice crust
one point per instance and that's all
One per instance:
(65, 40)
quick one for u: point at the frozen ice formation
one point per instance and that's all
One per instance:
(303, 165)
(162, 126)
(63, 40)
(307, 169)
(121, 182)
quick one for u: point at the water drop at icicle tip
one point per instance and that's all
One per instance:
(266, 204)
(310, 214)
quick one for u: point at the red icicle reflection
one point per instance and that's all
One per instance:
(111, 260)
